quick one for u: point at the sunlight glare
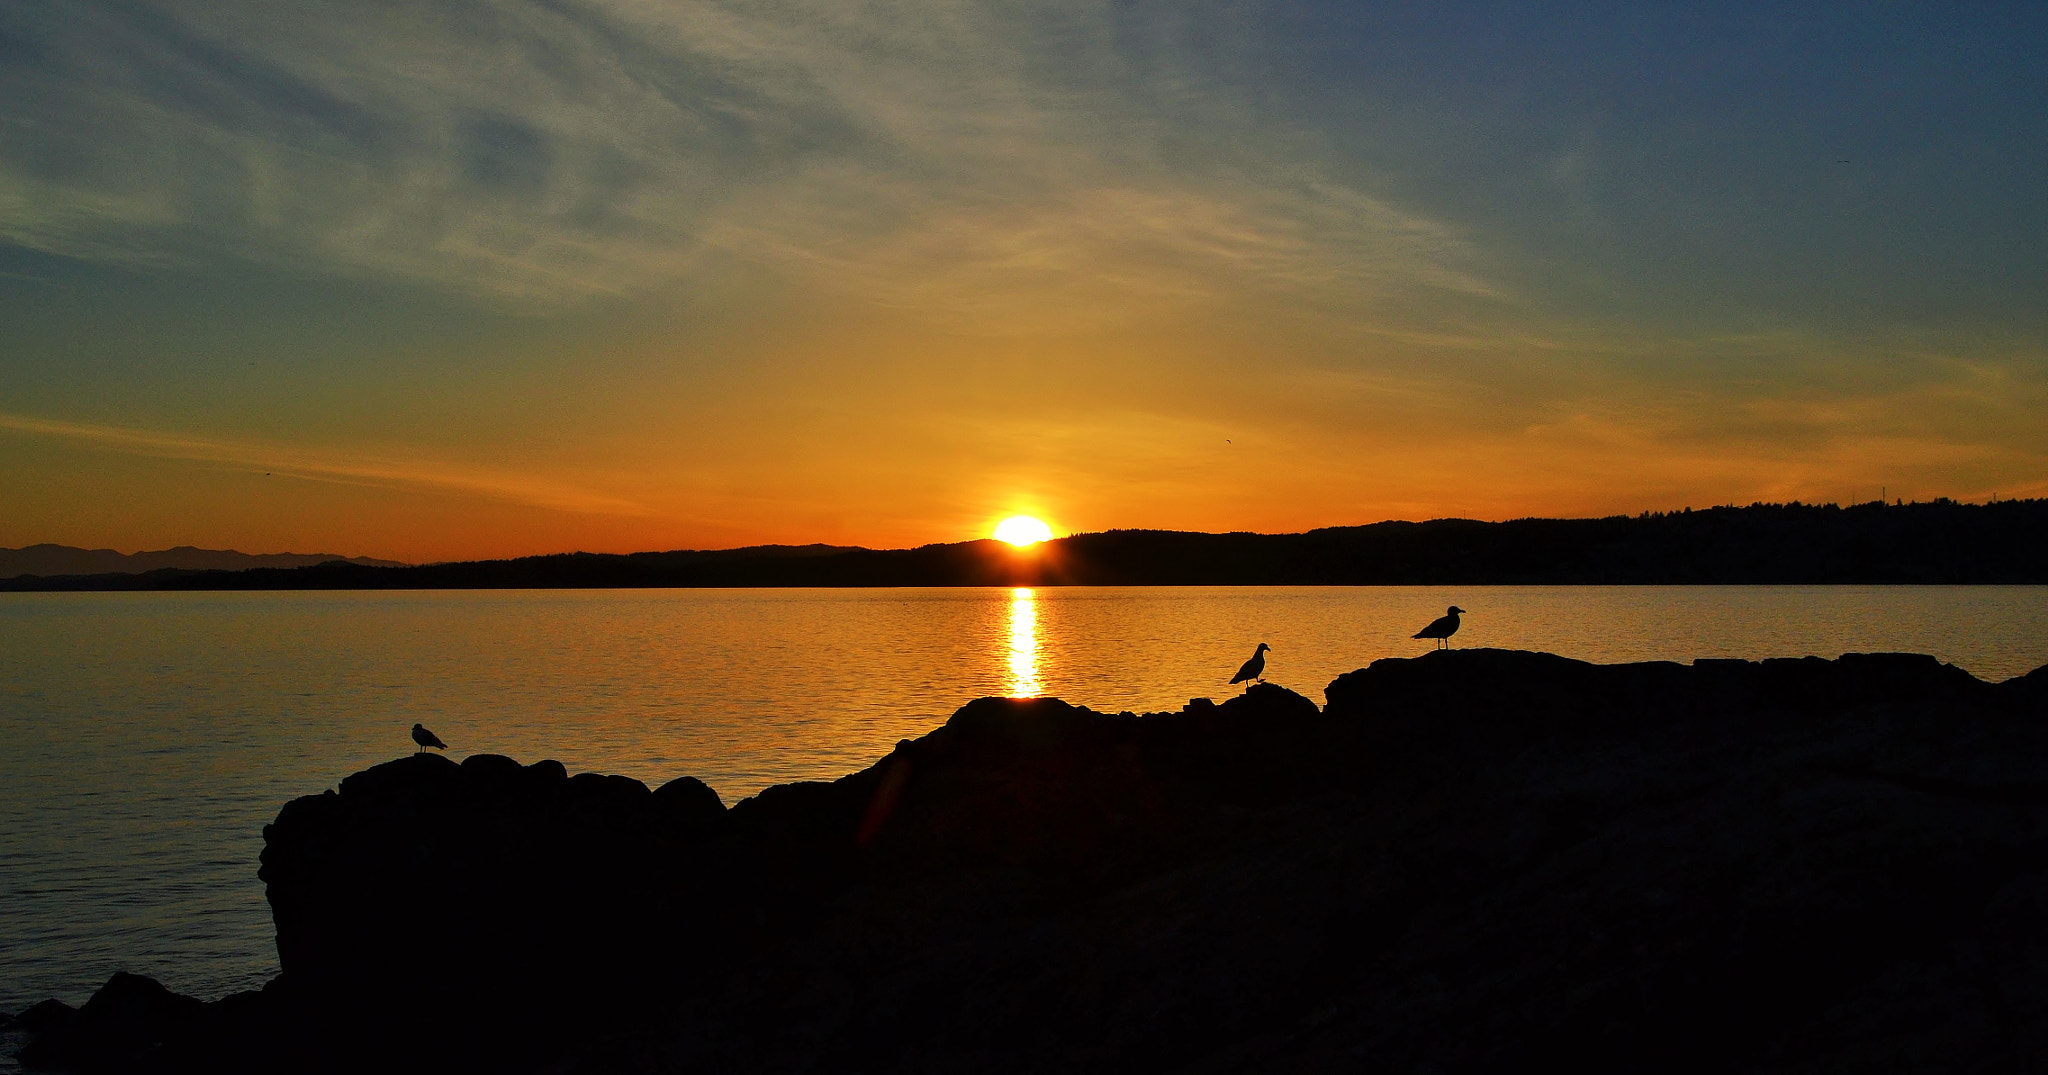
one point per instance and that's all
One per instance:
(1023, 644)
(1022, 530)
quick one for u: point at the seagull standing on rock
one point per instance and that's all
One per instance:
(1254, 668)
(1442, 628)
(426, 739)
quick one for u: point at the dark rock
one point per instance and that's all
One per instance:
(496, 768)
(128, 1018)
(1469, 861)
(618, 793)
(688, 801)
(485, 896)
(421, 777)
(45, 1017)
(2030, 690)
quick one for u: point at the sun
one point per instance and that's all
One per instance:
(1022, 530)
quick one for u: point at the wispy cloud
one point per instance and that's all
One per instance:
(941, 153)
(343, 468)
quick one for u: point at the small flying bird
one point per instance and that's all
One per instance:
(426, 739)
(1254, 668)
(1442, 628)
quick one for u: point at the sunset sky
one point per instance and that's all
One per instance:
(433, 280)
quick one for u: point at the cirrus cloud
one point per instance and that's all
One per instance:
(939, 153)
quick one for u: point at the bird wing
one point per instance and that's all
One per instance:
(1437, 628)
(1251, 669)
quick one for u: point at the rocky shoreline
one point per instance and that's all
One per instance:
(1474, 860)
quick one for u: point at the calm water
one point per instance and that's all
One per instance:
(149, 737)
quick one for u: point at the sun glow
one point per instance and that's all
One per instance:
(1022, 530)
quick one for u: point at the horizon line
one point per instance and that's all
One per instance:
(1644, 514)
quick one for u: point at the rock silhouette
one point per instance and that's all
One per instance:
(1473, 860)
(131, 1016)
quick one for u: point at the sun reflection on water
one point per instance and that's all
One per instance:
(1023, 644)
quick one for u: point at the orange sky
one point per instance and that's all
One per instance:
(711, 276)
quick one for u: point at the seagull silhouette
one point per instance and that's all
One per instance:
(426, 739)
(1254, 668)
(1442, 628)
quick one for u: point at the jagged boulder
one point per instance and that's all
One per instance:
(44, 1017)
(688, 803)
(129, 1018)
(487, 895)
(1030, 785)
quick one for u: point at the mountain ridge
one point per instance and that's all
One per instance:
(50, 559)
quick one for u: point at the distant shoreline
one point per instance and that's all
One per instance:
(1937, 543)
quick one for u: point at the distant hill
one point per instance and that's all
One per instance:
(47, 560)
(1938, 542)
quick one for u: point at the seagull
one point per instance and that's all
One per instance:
(1442, 628)
(1254, 668)
(426, 739)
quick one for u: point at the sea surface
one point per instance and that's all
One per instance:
(148, 738)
